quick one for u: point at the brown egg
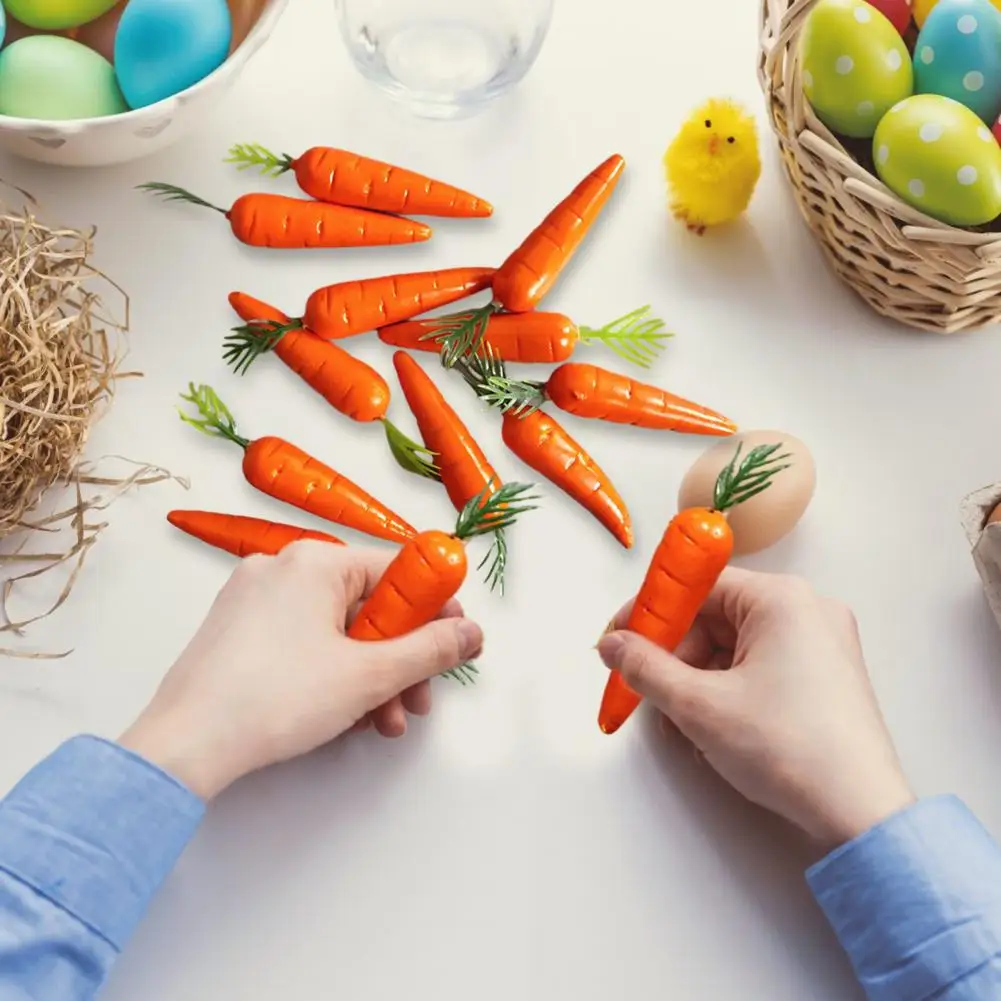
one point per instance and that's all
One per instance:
(994, 516)
(99, 34)
(761, 521)
(244, 14)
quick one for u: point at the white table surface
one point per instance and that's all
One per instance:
(505, 848)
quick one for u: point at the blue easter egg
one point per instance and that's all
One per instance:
(165, 46)
(958, 55)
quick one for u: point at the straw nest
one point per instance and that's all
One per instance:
(59, 361)
(904, 264)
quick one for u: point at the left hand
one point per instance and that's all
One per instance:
(271, 673)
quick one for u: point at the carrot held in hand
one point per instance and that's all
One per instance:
(345, 382)
(533, 337)
(693, 552)
(283, 471)
(344, 178)
(243, 536)
(265, 220)
(540, 442)
(431, 568)
(589, 391)
(462, 467)
(352, 307)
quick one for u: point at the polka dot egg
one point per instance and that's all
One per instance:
(937, 155)
(855, 66)
(958, 55)
(922, 8)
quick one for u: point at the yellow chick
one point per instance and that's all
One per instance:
(713, 165)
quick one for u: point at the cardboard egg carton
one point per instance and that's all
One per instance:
(985, 540)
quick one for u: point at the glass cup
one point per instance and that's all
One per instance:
(444, 58)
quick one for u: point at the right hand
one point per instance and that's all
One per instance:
(771, 686)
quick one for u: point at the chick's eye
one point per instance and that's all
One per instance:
(709, 124)
(730, 139)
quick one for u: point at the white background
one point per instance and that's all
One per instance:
(506, 849)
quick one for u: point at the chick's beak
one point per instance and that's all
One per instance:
(713, 145)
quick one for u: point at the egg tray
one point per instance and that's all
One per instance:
(985, 541)
(907, 266)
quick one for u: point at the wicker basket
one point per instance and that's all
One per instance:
(906, 265)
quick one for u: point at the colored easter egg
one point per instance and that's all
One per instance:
(996, 129)
(922, 8)
(53, 78)
(897, 12)
(99, 34)
(54, 15)
(938, 156)
(245, 14)
(855, 66)
(165, 46)
(958, 55)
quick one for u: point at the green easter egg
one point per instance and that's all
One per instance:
(855, 66)
(55, 15)
(937, 155)
(53, 79)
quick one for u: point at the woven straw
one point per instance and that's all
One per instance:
(906, 265)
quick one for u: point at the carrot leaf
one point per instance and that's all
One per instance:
(213, 417)
(413, 457)
(172, 193)
(244, 344)
(459, 334)
(633, 337)
(464, 673)
(497, 558)
(493, 510)
(520, 396)
(740, 480)
(246, 155)
(480, 370)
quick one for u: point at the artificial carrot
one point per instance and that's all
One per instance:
(265, 220)
(430, 568)
(686, 565)
(589, 391)
(535, 336)
(540, 442)
(462, 467)
(531, 271)
(345, 382)
(283, 471)
(243, 536)
(350, 308)
(344, 178)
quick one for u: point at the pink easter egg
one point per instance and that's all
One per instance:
(997, 129)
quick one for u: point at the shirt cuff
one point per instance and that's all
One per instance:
(96, 829)
(916, 901)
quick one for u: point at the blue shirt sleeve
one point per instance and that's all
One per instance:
(86, 839)
(916, 904)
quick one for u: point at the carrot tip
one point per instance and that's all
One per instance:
(608, 728)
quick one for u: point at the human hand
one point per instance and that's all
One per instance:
(271, 675)
(782, 707)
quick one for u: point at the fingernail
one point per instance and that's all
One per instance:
(470, 639)
(610, 649)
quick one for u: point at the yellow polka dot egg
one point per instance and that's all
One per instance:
(855, 66)
(958, 55)
(938, 156)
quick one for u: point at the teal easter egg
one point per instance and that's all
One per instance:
(165, 46)
(938, 156)
(855, 66)
(55, 15)
(54, 79)
(3, 23)
(958, 55)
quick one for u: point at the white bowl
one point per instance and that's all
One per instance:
(100, 142)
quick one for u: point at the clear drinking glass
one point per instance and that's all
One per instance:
(444, 58)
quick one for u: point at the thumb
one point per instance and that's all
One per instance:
(431, 650)
(683, 693)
